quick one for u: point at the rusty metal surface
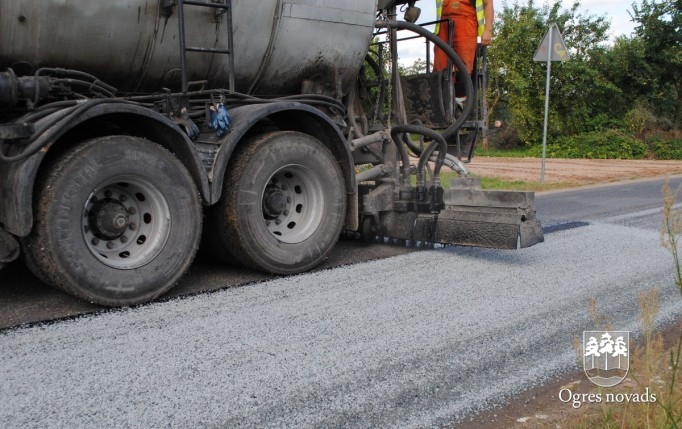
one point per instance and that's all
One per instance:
(427, 99)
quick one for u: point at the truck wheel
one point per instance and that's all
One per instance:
(117, 221)
(283, 204)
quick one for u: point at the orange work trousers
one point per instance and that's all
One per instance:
(465, 38)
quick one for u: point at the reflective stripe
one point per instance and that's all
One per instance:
(439, 13)
(480, 16)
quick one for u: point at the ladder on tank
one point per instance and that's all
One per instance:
(221, 7)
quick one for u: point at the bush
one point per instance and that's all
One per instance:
(640, 119)
(602, 122)
(506, 137)
(609, 144)
(665, 144)
(667, 149)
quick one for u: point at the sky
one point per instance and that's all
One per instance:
(615, 11)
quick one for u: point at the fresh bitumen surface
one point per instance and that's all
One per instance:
(415, 340)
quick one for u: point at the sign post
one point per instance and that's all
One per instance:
(552, 48)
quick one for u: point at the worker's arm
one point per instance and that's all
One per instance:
(489, 17)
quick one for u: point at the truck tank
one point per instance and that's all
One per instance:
(134, 45)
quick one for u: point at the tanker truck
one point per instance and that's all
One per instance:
(132, 132)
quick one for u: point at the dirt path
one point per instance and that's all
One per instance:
(571, 171)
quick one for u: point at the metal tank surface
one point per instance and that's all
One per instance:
(133, 44)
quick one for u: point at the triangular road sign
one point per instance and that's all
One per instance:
(558, 51)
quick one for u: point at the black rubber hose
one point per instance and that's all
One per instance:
(41, 112)
(451, 159)
(457, 61)
(438, 140)
(76, 73)
(90, 86)
(39, 139)
(404, 156)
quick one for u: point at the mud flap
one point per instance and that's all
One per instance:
(9, 248)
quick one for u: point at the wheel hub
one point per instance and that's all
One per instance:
(126, 222)
(292, 203)
(274, 202)
(108, 219)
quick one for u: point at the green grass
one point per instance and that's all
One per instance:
(506, 185)
(504, 153)
(518, 185)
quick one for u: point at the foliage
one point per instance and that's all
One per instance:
(633, 84)
(660, 31)
(663, 141)
(519, 185)
(507, 185)
(624, 65)
(667, 149)
(578, 92)
(671, 232)
(640, 120)
(417, 67)
(506, 138)
(609, 144)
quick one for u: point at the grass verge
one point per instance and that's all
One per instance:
(507, 185)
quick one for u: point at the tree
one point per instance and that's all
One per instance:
(624, 65)
(578, 92)
(592, 349)
(606, 347)
(660, 30)
(417, 67)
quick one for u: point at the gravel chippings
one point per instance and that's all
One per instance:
(411, 341)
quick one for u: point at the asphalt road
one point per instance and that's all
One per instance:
(419, 339)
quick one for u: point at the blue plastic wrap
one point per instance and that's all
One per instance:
(220, 120)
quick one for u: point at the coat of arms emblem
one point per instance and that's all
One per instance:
(606, 357)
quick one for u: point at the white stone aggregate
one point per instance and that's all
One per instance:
(416, 340)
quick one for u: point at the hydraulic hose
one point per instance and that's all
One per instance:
(404, 156)
(71, 109)
(456, 60)
(72, 77)
(46, 132)
(438, 141)
(450, 160)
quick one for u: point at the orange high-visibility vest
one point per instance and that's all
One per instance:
(480, 15)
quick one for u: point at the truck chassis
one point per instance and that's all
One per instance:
(108, 196)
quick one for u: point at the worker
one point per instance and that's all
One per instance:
(472, 19)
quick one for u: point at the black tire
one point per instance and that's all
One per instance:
(117, 221)
(283, 204)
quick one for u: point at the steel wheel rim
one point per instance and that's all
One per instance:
(126, 222)
(291, 203)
